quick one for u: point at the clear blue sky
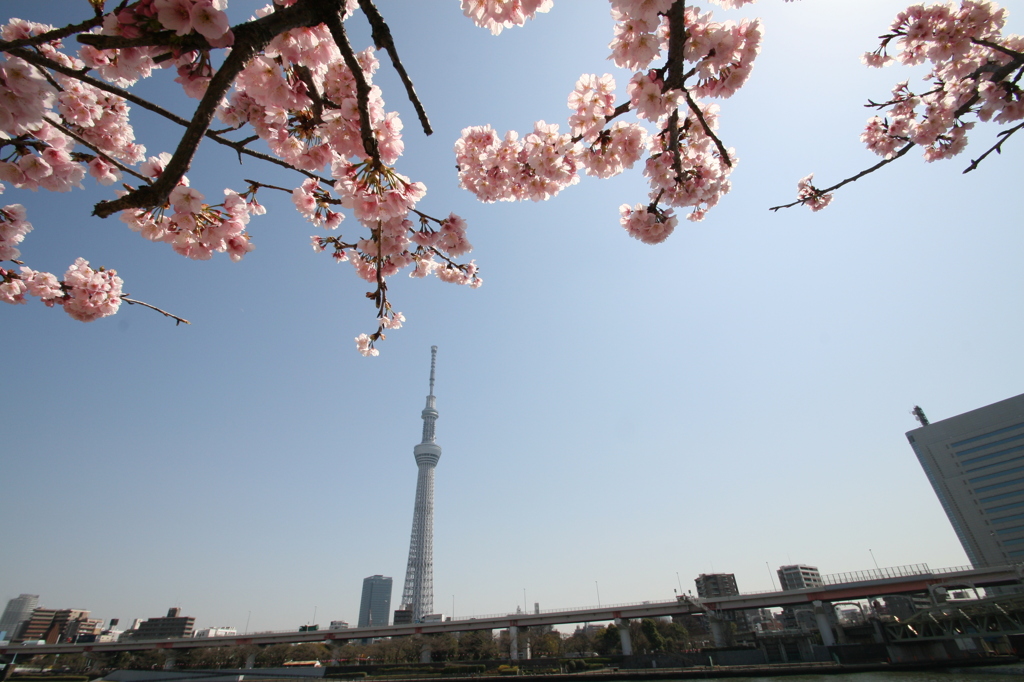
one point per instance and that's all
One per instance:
(612, 414)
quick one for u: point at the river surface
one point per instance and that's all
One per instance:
(953, 675)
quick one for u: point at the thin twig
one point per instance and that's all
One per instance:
(858, 176)
(178, 320)
(50, 36)
(997, 147)
(707, 128)
(381, 35)
(263, 185)
(82, 141)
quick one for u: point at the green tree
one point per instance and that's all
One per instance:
(545, 644)
(655, 641)
(607, 641)
(477, 645)
(578, 643)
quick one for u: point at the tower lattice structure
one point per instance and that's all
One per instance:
(418, 593)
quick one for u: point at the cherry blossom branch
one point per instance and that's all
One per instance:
(1018, 56)
(261, 185)
(249, 39)
(997, 147)
(673, 144)
(623, 108)
(132, 301)
(903, 150)
(78, 138)
(675, 76)
(382, 39)
(707, 128)
(55, 34)
(337, 29)
(306, 76)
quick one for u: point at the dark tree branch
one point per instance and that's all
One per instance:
(382, 39)
(903, 150)
(306, 76)
(997, 147)
(675, 77)
(185, 43)
(707, 128)
(1017, 56)
(337, 29)
(673, 144)
(49, 36)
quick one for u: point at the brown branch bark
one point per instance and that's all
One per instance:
(382, 39)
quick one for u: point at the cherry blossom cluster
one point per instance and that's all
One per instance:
(974, 69)
(649, 225)
(496, 15)
(85, 294)
(192, 227)
(13, 228)
(298, 94)
(811, 196)
(687, 165)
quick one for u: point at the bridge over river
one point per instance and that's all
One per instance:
(836, 588)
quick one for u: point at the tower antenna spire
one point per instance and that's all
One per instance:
(418, 593)
(433, 364)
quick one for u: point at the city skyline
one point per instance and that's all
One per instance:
(731, 401)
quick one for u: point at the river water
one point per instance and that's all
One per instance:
(1003, 674)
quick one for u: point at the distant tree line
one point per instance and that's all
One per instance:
(647, 636)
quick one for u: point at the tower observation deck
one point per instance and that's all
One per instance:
(418, 593)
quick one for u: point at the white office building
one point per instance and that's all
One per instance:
(975, 463)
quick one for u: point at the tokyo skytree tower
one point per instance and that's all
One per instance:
(418, 594)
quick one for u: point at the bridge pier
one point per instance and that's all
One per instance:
(627, 643)
(717, 624)
(9, 668)
(425, 653)
(513, 642)
(171, 660)
(250, 661)
(824, 627)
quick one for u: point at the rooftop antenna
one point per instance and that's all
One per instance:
(917, 411)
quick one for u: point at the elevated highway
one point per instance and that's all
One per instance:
(840, 587)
